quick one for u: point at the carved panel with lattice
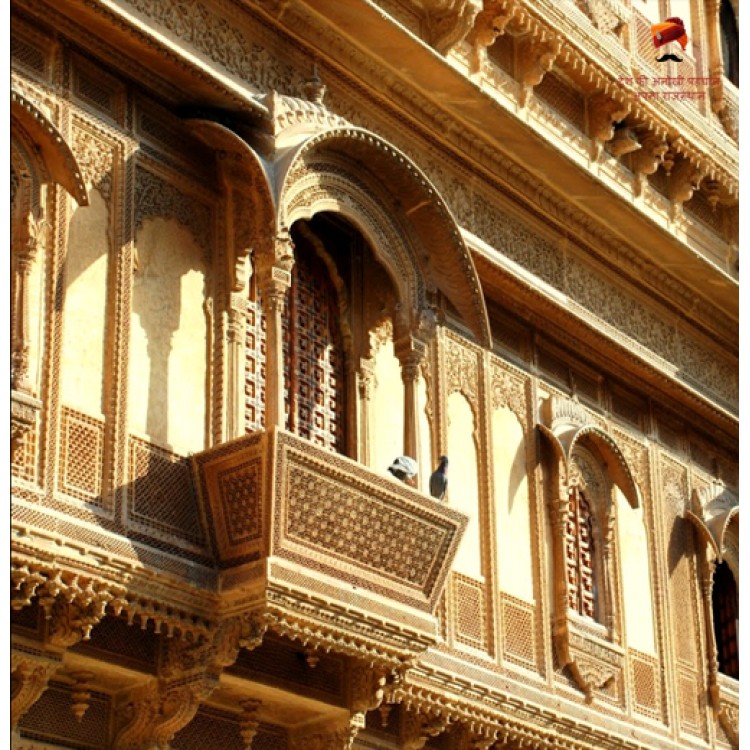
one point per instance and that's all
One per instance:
(645, 679)
(81, 455)
(688, 702)
(519, 632)
(469, 612)
(161, 492)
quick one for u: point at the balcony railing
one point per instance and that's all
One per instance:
(307, 534)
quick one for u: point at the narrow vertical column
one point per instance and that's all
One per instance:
(410, 353)
(30, 238)
(707, 568)
(365, 386)
(274, 280)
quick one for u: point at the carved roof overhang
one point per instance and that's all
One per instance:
(442, 257)
(711, 511)
(568, 425)
(57, 162)
(542, 309)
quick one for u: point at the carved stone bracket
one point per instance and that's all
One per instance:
(417, 728)
(593, 662)
(537, 56)
(490, 23)
(448, 21)
(685, 179)
(647, 160)
(603, 113)
(150, 715)
(29, 677)
(729, 718)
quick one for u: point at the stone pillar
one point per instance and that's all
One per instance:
(410, 353)
(30, 238)
(274, 280)
(365, 386)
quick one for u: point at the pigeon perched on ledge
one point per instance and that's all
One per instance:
(439, 480)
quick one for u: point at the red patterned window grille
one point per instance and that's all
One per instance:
(579, 554)
(314, 387)
(726, 620)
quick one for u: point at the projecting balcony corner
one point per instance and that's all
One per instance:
(297, 529)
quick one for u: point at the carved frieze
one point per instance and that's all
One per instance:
(222, 38)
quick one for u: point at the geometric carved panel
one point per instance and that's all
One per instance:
(161, 491)
(470, 614)
(519, 637)
(645, 685)
(358, 527)
(240, 489)
(81, 455)
(687, 695)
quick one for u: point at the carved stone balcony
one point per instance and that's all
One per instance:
(323, 549)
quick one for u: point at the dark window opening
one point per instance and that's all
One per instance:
(726, 620)
(730, 42)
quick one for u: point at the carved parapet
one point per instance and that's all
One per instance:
(275, 505)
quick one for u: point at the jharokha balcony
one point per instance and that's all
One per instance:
(327, 550)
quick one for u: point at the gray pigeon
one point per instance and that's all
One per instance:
(439, 480)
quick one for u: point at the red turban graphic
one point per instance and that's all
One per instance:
(669, 30)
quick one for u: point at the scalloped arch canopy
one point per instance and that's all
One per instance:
(56, 159)
(711, 515)
(368, 164)
(564, 440)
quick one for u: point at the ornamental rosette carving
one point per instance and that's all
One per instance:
(462, 371)
(508, 391)
(96, 159)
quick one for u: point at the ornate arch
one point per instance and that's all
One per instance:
(55, 162)
(383, 193)
(250, 214)
(711, 512)
(586, 460)
(568, 426)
